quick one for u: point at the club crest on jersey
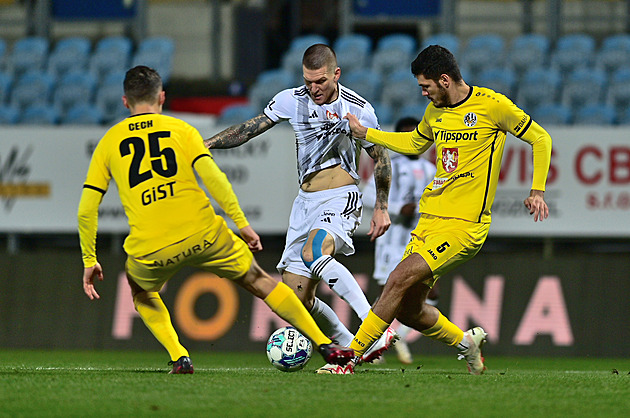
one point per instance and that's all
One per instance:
(450, 157)
(332, 115)
(470, 119)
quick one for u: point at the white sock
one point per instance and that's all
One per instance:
(342, 282)
(402, 331)
(328, 321)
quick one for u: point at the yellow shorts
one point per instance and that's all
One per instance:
(445, 243)
(216, 249)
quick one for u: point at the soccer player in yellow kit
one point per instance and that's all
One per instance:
(468, 126)
(153, 159)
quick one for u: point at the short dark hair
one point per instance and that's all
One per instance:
(318, 56)
(142, 85)
(435, 60)
(407, 121)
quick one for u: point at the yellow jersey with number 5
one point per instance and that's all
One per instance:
(152, 157)
(469, 138)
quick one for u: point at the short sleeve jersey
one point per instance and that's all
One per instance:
(322, 136)
(151, 157)
(469, 139)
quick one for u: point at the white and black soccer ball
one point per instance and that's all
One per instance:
(288, 350)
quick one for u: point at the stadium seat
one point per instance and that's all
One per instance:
(8, 115)
(447, 40)
(69, 54)
(32, 88)
(538, 86)
(614, 53)
(623, 116)
(393, 52)
(401, 88)
(83, 114)
(366, 83)
(291, 60)
(482, 52)
(528, 51)
(573, 51)
(6, 80)
(109, 97)
(384, 113)
(111, 55)
(267, 84)
(74, 88)
(415, 110)
(501, 80)
(237, 113)
(353, 52)
(551, 114)
(156, 53)
(618, 92)
(595, 114)
(29, 54)
(39, 114)
(3, 51)
(583, 86)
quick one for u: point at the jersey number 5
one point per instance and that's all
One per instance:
(165, 167)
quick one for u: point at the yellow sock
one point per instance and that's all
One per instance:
(284, 302)
(371, 329)
(156, 317)
(445, 331)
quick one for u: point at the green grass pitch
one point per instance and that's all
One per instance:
(136, 384)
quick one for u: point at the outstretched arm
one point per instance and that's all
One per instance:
(382, 179)
(239, 134)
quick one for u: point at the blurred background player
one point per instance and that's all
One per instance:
(410, 175)
(153, 158)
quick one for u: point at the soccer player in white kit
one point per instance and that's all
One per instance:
(410, 175)
(328, 207)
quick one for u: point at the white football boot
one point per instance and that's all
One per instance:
(470, 349)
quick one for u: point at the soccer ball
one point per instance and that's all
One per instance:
(288, 350)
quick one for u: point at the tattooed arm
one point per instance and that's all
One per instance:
(239, 134)
(382, 178)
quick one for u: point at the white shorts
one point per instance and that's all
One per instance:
(336, 211)
(389, 250)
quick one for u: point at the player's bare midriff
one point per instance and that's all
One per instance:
(328, 178)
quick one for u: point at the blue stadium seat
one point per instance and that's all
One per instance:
(538, 86)
(573, 51)
(365, 82)
(595, 114)
(353, 51)
(237, 113)
(618, 92)
(401, 88)
(83, 114)
(551, 114)
(74, 88)
(108, 97)
(32, 88)
(502, 80)
(29, 54)
(156, 53)
(394, 52)
(527, 51)
(69, 54)
(447, 40)
(482, 52)
(39, 114)
(9, 115)
(584, 86)
(623, 116)
(267, 84)
(3, 51)
(111, 55)
(384, 113)
(6, 81)
(292, 58)
(415, 110)
(614, 53)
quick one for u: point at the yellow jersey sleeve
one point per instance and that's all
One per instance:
(88, 224)
(409, 143)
